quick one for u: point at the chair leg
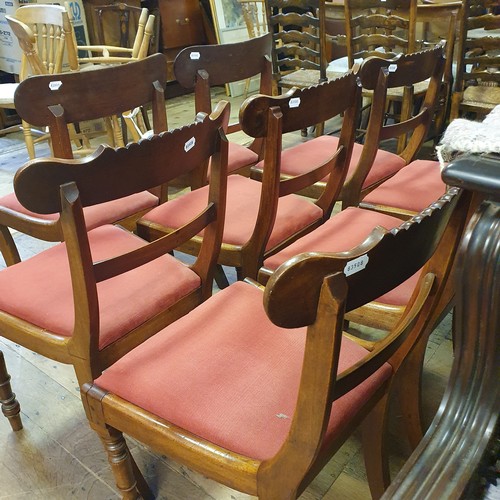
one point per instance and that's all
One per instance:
(374, 449)
(28, 139)
(124, 468)
(410, 394)
(10, 405)
(8, 247)
(220, 277)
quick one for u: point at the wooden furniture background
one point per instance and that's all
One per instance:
(182, 25)
(446, 458)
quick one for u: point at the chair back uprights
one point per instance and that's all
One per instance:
(477, 84)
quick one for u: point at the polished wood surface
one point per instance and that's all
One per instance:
(445, 460)
(303, 453)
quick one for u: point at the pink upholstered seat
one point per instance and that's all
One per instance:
(40, 288)
(413, 188)
(342, 232)
(297, 159)
(243, 198)
(230, 378)
(96, 215)
(240, 156)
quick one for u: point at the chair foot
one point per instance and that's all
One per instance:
(10, 405)
(128, 478)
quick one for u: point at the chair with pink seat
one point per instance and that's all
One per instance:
(370, 165)
(201, 67)
(89, 300)
(263, 217)
(56, 101)
(260, 398)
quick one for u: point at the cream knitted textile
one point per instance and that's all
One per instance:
(469, 137)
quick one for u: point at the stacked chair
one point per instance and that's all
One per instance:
(45, 37)
(75, 97)
(477, 85)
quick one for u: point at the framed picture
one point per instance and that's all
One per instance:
(231, 25)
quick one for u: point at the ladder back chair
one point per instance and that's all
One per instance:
(91, 299)
(477, 84)
(369, 165)
(45, 36)
(267, 427)
(262, 217)
(201, 67)
(58, 100)
(254, 15)
(299, 49)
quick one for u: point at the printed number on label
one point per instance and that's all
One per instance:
(294, 102)
(356, 265)
(56, 85)
(189, 144)
(194, 56)
(392, 68)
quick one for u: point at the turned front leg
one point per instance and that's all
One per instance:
(10, 405)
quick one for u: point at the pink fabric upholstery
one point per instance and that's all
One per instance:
(230, 378)
(97, 215)
(243, 197)
(238, 157)
(400, 296)
(343, 231)
(414, 188)
(301, 158)
(40, 291)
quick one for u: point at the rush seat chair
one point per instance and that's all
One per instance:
(56, 101)
(260, 397)
(99, 293)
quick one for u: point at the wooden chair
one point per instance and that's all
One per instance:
(437, 22)
(126, 49)
(462, 434)
(370, 165)
(44, 35)
(56, 101)
(254, 15)
(263, 217)
(202, 66)
(477, 83)
(276, 389)
(94, 297)
(413, 187)
(298, 29)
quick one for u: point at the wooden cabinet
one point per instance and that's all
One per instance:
(182, 25)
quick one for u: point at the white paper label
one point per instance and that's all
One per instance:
(56, 85)
(194, 56)
(392, 68)
(294, 102)
(189, 144)
(356, 265)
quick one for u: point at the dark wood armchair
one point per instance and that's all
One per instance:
(64, 99)
(100, 293)
(260, 399)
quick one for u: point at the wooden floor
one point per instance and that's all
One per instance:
(57, 456)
